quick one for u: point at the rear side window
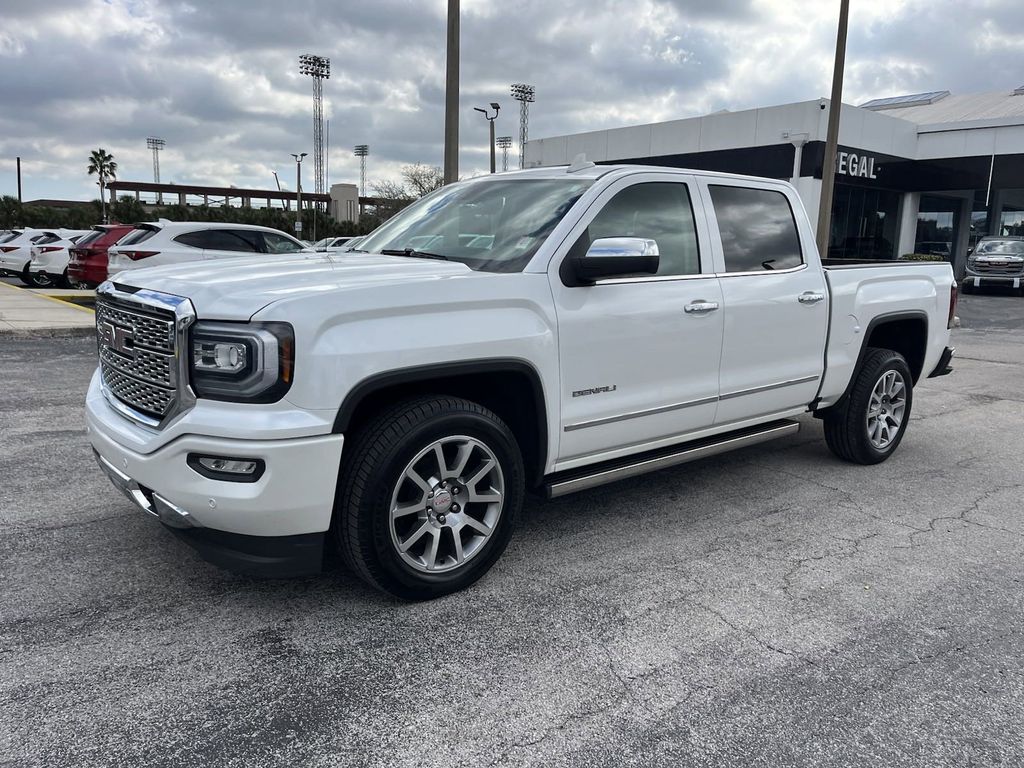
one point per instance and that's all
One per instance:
(138, 236)
(658, 211)
(49, 237)
(221, 240)
(91, 237)
(757, 228)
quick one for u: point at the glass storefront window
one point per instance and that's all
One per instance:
(864, 223)
(936, 225)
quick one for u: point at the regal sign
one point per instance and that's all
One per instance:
(852, 164)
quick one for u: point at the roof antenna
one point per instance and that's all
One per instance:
(580, 163)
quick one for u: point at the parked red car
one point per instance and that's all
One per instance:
(88, 263)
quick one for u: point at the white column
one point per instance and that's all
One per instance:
(906, 237)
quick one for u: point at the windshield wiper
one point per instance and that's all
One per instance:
(414, 253)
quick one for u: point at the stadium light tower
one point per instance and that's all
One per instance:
(504, 142)
(156, 145)
(361, 151)
(525, 95)
(319, 68)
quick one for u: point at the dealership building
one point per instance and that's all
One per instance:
(928, 172)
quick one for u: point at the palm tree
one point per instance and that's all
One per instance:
(102, 164)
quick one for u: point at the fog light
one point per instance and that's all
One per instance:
(231, 468)
(222, 356)
(234, 466)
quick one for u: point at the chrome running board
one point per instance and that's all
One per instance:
(565, 483)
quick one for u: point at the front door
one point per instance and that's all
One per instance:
(639, 355)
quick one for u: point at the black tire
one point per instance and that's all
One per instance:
(371, 476)
(846, 425)
(37, 279)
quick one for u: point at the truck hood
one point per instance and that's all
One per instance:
(236, 289)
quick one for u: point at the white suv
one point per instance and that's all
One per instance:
(155, 244)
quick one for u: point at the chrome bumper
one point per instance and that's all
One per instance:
(149, 502)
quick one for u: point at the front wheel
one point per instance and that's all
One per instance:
(870, 424)
(428, 497)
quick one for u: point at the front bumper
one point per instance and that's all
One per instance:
(273, 526)
(980, 281)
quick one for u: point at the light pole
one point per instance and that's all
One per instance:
(156, 145)
(451, 97)
(504, 142)
(298, 193)
(490, 121)
(319, 68)
(835, 106)
(361, 151)
(525, 95)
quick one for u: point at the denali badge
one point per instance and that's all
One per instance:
(117, 338)
(594, 391)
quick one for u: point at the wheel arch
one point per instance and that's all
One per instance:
(905, 332)
(510, 387)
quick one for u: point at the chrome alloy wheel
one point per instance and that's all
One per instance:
(886, 407)
(446, 504)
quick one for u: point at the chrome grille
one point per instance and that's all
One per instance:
(1005, 268)
(152, 332)
(137, 356)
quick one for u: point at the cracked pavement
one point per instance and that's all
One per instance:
(770, 607)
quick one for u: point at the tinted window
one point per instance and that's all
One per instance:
(656, 211)
(96, 234)
(758, 229)
(138, 236)
(49, 237)
(280, 243)
(9, 236)
(221, 240)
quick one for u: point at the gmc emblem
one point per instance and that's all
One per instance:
(117, 338)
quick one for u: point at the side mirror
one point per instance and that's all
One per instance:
(617, 257)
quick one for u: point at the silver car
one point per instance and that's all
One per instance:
(998, 260)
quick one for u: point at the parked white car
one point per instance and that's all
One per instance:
(15, 254)
(566, 328)
(155, 244)
(333, 244)
(50, 256)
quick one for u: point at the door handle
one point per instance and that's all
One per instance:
(810, 297)
(700, 307)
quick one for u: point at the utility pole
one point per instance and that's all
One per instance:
(451, 97)
(828, 168)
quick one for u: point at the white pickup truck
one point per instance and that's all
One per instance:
(566, 327)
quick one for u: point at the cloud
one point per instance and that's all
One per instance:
(219, 80)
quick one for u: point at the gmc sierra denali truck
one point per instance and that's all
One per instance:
(550, 329)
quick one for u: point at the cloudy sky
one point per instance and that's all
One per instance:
(218, 78)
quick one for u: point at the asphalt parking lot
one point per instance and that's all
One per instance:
(772, 607)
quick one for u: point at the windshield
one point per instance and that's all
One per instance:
(1010, 247)
(492, 226)
(10, 236)
(96, 234)
(322, 243)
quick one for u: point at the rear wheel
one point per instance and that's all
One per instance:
(36, 279)
(870, 424)
(428, 497)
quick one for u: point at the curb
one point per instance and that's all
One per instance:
(72, 332)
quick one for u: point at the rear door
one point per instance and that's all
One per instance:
(775, 300)
(639, 355)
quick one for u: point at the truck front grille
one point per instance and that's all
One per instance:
(1008, 268)
(138, 361)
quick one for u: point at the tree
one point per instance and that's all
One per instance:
(422, 179)
(102, 164)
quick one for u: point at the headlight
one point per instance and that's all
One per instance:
(245, 362)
